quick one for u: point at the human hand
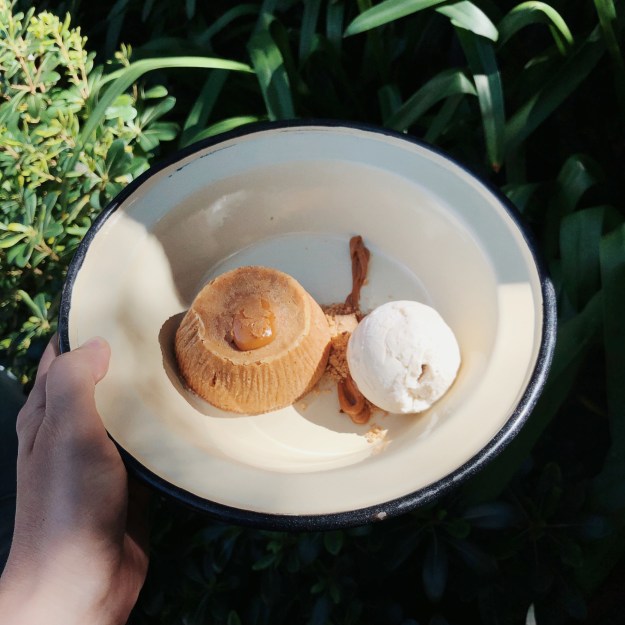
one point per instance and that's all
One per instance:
(79, 551)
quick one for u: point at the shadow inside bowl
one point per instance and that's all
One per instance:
(167, 339)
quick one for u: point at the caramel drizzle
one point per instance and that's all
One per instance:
(351, 400)
(359, 255)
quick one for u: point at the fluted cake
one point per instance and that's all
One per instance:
(252, 341)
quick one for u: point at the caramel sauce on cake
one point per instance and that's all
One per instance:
(252, 341)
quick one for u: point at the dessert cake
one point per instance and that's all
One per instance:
(252, 341)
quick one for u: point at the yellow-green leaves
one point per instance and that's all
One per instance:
(529, 13)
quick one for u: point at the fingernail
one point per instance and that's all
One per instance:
(97, 342)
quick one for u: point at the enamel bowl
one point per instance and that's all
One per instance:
(290, 196)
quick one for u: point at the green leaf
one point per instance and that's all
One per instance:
(225, 19)
(165, 131)
(272, 76)
(474, 557)
(155, 112)
(53, 230)
(114, 23)
(14, 227)
(483, 65)
(148, 141)
(41, 314)
(223, 126)
(40, 302)
(448, 83)
(492, 515)
(333, 541)
(321, 611)
(595, 527)
(203, 106)
(389, 98)
(122, 108)
(580, 236)
(435, 569)
(30, 205)
(264, 562)
(122, 79)
(609, 485)
(385, 12)
(520, 194)
(604, 555)
(233, 618)
(47, 131)
(444, 118)
(116, 152)
(557, 87)
(19, 254)
(50, 77)
(335, 14)
(466, 15)
(309, 28)
(529, 13)
(155, 92)
(578, 174)
(11, 240)
(308, 548)
(609, 28)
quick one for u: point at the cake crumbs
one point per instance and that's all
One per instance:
(338, 370)
(337, 362)
(375, 434)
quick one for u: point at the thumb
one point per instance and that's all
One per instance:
(95, 353)
(70, 387)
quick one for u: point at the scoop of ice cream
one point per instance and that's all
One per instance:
(403, 356)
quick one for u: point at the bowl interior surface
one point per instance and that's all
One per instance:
(290, 198)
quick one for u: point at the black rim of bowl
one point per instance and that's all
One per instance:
(382, 510)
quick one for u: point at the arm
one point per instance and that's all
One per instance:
(79, 550)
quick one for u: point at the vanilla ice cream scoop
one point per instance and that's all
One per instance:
(403, 356)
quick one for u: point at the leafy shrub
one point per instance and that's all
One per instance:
(71, 136)
(54, 176)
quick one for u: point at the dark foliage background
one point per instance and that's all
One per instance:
(531, 96)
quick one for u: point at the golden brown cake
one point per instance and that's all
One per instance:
(253, 341)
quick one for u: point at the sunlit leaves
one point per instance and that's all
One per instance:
(385, 12)
(470, 17)
(483, 65)
(561, 83)
(66, 148)
(272, 76)
(529, 13)
(448, 83)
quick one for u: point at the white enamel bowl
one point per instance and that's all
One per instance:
(290, 196)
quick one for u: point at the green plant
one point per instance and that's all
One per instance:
(52, 184)
(71, 136)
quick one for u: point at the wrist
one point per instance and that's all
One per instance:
(33, 602)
